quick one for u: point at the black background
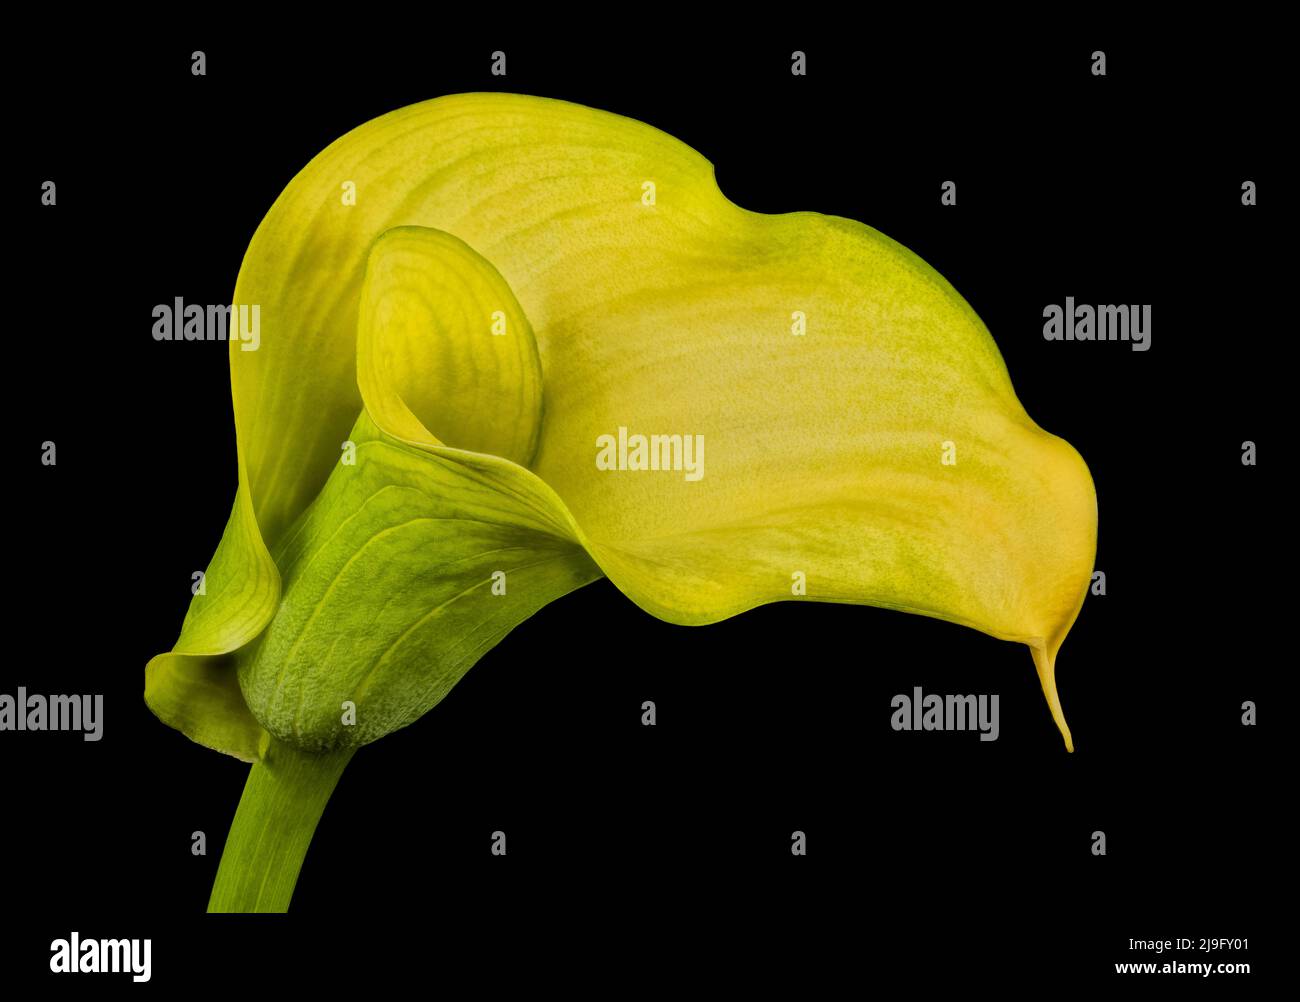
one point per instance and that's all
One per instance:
(929, 855)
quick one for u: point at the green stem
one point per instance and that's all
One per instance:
(284, 797)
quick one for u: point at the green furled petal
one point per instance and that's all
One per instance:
(192, 688)
(241, 589)
(409, 566)
(200, 697)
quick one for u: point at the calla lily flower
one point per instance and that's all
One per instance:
(510, 345)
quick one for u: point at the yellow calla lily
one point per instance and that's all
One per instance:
(558, 351)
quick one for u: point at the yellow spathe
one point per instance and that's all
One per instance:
(503, 293)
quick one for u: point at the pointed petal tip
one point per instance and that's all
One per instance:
(1046, 665)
